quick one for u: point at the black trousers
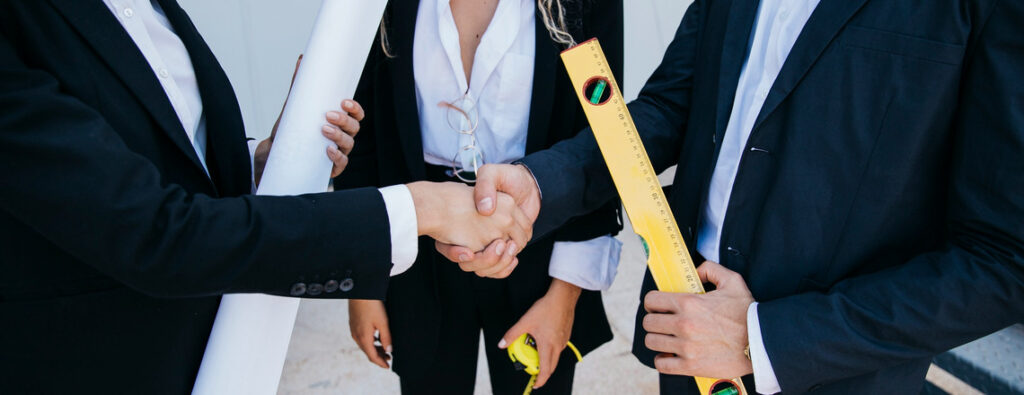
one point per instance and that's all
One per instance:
(471, 304)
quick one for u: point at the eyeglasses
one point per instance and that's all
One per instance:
(463, 117)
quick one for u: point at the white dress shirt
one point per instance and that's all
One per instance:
(153, 34)
(779, 23)
(501, 84)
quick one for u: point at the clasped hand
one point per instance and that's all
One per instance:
(497, 186)
(447, 213)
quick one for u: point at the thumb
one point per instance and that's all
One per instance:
(512, 334)
(712, 272)
(486, 191)
(385, 336)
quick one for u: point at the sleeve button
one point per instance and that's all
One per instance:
(346, 285)
(330, 286)
(298, 289)
(315, 289)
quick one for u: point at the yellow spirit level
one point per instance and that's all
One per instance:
(637, 183)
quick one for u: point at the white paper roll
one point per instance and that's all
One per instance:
(249, 341)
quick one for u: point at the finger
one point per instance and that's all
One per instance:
(340, 160)
(522, 232)
(508, 270)
(344, 141)
(659, 302)
(457, 254)
(513, 333)
(385, 336)
(659, 323)
(353, 108)
(344, 122)
(488, 258)
(505, 260)
(711, 272)
(669, 364)
(548, 358)
(660, 343)
(365, 342)
(485, 193)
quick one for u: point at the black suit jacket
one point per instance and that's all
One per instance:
(115, 244)
(877, 210)
(389, 150)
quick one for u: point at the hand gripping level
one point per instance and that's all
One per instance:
(637, 183)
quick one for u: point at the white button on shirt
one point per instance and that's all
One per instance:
(501, 83)
(167, 56)
(779, 23)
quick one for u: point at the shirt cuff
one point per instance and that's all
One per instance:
(590, 264)
(252, 163)
(764, 376)
(402, 220)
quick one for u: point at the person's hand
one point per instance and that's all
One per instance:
(701, 335)
(549, 321)
(368, 322)
(445, 212)
(514, 180)
(340, 127)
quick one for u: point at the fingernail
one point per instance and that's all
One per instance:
(387, 349)
(463, 257)
(500, 248)
(512, 248)
(485, 204)
(333, 115)
(502, 343)
(327, 130)
(347, 105)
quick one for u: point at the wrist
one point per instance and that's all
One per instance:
(426, 207)
(564, 291)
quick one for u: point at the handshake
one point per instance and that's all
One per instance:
(480, 228)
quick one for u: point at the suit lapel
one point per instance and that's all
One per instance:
(401, 28)
(93, 20)
(227, 156)
(545, 65)
(740, 20)
(824, 24)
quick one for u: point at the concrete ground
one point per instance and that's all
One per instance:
(323, 359)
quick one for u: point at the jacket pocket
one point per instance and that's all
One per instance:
(902, 45)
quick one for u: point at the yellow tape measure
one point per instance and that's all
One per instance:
(523, 352)
(637, 183)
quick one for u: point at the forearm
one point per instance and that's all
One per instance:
(128, 221)
(563, 291)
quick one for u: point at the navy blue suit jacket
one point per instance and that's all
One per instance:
(880, 219)
(115, 245)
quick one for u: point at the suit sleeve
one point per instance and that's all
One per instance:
(972, 286)
(68, 175)
(572, 174)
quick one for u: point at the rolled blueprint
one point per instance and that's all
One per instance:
(249, 341)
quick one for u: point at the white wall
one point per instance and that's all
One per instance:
(257, 42)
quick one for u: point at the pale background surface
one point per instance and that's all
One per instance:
(257, 42)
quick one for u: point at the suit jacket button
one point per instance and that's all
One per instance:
(298, 289)
(346, 285)
(315, 289)
(331, 286)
